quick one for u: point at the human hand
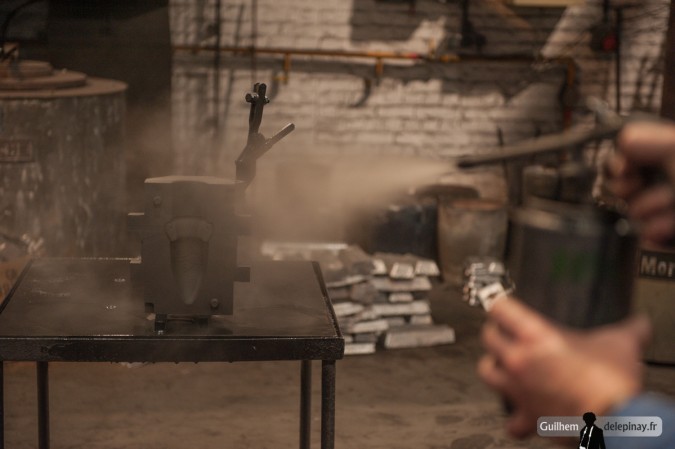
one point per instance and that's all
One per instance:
(545, 370)
(645, 148)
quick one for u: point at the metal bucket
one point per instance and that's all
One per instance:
(573, 263)
(468, 228)
(407, 224)
(62, 173)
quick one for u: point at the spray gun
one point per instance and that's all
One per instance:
(568, 258)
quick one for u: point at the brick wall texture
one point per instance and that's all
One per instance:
(427, 110)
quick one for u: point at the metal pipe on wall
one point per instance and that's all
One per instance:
(379, 56)
(369, 54)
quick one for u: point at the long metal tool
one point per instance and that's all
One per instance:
(609, 124)
(572, 139)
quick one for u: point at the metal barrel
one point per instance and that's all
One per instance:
(62, 168)
(575, 265)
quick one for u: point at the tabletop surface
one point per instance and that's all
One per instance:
(84, 310)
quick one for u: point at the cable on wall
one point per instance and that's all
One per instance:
(254, 38)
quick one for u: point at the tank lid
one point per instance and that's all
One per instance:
(37, 75)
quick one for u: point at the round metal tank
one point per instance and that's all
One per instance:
(62, 171)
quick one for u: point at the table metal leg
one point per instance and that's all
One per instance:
(2, 405)
(43, 404)
(305, 404)
(327, 404)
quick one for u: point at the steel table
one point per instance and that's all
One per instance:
(84, 310)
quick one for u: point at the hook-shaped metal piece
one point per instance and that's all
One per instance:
(257, 144)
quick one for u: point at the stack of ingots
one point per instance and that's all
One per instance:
(379, 300)
(484, 278)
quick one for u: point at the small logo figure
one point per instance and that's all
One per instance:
(591, 436)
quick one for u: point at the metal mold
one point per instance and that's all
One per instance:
(189, 231)
(189, 246)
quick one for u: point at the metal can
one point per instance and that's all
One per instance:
(573, 263)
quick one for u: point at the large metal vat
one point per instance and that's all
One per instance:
(62, 173)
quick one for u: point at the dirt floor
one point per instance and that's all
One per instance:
(421, 398)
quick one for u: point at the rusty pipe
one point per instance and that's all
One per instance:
(415, 56)
(379, 56)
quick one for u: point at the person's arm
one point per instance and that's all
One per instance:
(642, 172)
(545, 370)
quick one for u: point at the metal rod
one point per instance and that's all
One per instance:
(619, 37)
(216, 143)
(230, 79)
(309, 52)
(286, 130)
(2, 405)
(254, 39)
(570, 80)
(43, 404)
(447, 57)
(305, 404)
(571, 139)
(327, 404)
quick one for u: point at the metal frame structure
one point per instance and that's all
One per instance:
(109, 325)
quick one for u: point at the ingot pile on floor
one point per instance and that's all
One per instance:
(379, 300)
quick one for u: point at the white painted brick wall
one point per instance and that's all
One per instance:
(431, 110)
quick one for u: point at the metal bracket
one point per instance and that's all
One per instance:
(257, 144)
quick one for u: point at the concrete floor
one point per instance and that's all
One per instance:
(423, 398)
